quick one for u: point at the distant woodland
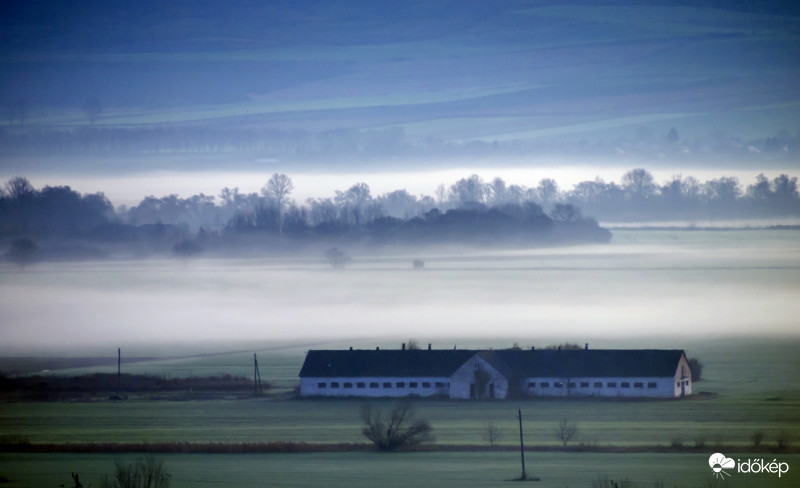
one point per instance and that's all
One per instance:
(470, 211)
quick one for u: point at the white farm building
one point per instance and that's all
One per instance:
(466, 374)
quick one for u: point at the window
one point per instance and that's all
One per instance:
(545, 384)
(387, 385)
(571, 384)
(558, 384)
(625, 384)
(373, 384)
(611, 384)
(584, 384)
(361, 385)
(426, 384)
(400, 384)
(531, 384)
(334, 384)
(651, 384)
(678, 384)
(412, 384)
(598, 384)
(348, 385)
(439, 384)
(322, 385)
(638, 384)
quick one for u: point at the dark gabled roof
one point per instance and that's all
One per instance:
(387, 363)
(590, 363)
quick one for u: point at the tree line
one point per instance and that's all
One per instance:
(469, 210)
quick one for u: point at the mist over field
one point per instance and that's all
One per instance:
(661, 287)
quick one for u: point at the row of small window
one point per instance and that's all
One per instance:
(596, 384)
(682, 383)
(387, 384)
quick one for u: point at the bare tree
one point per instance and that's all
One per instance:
(469, 190)
(498, 191)
(19, 187)
(492, 433)
(144, 473)
(278, 189)
(548, 191)
(398, 430)
(566, 431)
(638, 183)
(441, 194)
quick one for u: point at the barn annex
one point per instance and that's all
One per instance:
(496, 374)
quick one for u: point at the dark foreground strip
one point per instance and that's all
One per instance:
(303, 447)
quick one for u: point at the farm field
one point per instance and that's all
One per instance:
(485, 469)
(748, 386)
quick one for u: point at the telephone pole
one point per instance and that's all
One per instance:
(256, 376)
(521, 446)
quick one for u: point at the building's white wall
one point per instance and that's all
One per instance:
(458, 385)
(465, 376)
(610, 387)
(682, 382)
(312, 387)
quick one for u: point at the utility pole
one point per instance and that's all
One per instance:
(521, 446)
(256, 376)
(119, 371)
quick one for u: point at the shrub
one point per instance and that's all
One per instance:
(756, 439)
(565, 431)
(398, 431)
(697, 369)
(783, 440)
(144, 473)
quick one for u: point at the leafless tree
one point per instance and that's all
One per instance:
(548, 191)
(398, 430)
(278, 189)
(441, 194)
(144, 473)
(492, 433)
(566, 431)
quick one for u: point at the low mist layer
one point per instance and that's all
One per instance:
(708, 284)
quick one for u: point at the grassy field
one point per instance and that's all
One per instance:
(604, 423)
(485, 469)
(753, 385)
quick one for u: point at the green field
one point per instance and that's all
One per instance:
(400, 469)
(753, 385)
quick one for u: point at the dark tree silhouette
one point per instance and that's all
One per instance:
(397, 431)
(278, 189)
